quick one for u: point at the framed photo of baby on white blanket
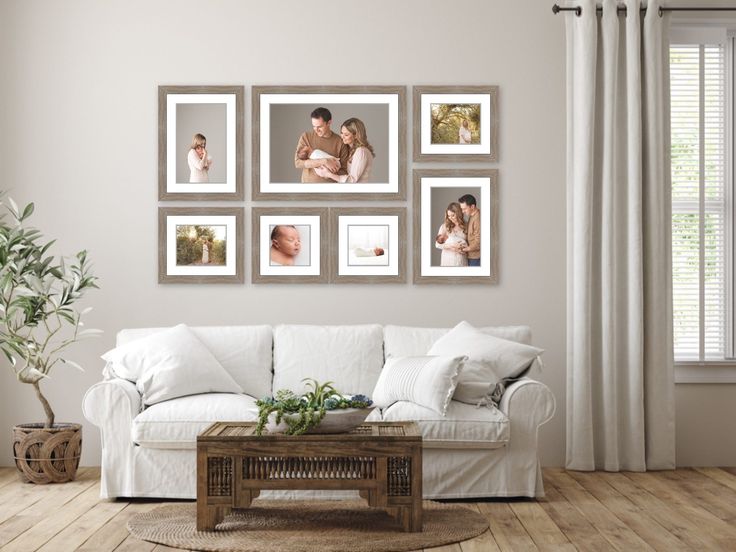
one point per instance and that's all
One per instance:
(456, 226)
(368, 244)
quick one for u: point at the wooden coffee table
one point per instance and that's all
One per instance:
(382, 460)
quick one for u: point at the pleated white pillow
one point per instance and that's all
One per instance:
(170, 364)
(428, 381)
(490, 360)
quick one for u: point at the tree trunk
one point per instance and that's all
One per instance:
(46, 406)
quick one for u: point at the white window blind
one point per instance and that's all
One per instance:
(701, 211)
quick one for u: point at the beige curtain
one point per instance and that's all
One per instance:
(620, 383)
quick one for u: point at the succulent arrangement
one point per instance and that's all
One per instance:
(309, 408)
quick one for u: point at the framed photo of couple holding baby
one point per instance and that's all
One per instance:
(328, 143)
(456, 226)
(200, 143)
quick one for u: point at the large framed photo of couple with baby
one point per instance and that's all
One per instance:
(456, 226)
(200, 245)
(455, 123)
(290, 245)
(368, 245)
(200, 143)
(327, 143)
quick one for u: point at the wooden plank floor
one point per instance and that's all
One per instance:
(686, 509)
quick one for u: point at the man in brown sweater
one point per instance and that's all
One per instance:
(470, 208)
(322, 138)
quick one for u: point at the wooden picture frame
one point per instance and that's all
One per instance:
(282, 121)
(435, 190)
(368, 245)
(310, 260)
(212, 116)
(205, 260)
(467, 129)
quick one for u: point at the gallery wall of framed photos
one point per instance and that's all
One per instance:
(314, 149)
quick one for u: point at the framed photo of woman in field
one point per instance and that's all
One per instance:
(456, 123)
(456, 226)
(200, 143)
(200, 245)
(326, 143)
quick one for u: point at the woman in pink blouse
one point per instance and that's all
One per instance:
(354, 135)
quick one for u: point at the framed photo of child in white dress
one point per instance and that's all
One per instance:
(200, 143)
(455, 123)
(326, 143)
(289, 245)
(456, 226)
(200, 245)
(368, 245)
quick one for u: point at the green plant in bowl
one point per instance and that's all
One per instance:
(302, 414)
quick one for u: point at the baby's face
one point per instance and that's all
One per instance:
(288, 242)
(304, 153)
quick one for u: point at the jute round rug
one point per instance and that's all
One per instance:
(307, 526)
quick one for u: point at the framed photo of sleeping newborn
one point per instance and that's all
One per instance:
(455, 123)
(456, 226)
(328, 143)
(200, 143)
(368, 245)
(200, 245)
(290, 245)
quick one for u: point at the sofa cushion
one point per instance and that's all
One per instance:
(349, 356)
(175, 424)
(490, 360)
(429, 381)
(400, 341)
(463, 426)
(244, 351)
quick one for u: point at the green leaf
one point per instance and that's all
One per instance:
(27, 212)
(10, 357)
(72, 363)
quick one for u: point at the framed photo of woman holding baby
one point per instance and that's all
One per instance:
(322, 143)
(456, 226)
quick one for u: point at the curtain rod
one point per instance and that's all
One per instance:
(622, 9)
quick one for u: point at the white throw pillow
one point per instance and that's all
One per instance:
(490, 359)
(169, 364)
(428, 381)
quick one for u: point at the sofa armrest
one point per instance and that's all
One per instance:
(528, 400)
(112, 405)
(113, 398)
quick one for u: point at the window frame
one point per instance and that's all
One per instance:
(718, 371)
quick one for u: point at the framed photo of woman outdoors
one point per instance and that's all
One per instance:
(290, 245)
(456, 123)
(200, 143)
(456, 226)
(200, 245)
(326, 143)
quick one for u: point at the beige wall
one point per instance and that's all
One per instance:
(78, 118)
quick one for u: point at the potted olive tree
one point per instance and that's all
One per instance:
(37, 324)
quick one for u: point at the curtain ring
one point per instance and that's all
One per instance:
(661, 11)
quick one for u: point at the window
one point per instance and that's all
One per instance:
(702, 191)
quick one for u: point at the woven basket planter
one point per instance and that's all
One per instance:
(47, 455)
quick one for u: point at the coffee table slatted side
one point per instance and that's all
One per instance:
(382, 460)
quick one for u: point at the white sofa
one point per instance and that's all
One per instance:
(471, 452)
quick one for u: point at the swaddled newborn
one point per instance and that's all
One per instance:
(451, 239)
(308, 153)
